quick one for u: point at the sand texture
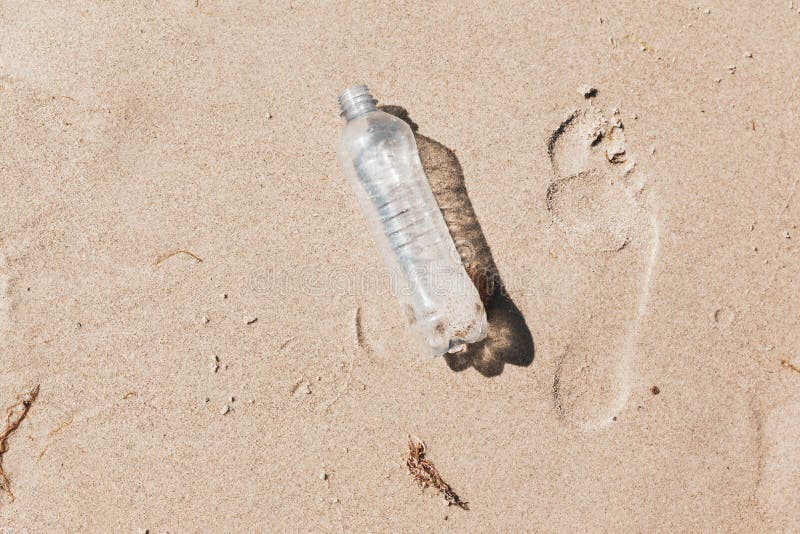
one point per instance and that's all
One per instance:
(186, 276)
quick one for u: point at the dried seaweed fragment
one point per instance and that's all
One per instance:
(426, 475)
(14, 416)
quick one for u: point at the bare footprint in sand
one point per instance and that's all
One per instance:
(780, 476)
(605, 246)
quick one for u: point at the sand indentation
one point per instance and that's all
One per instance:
(4, 299)
(608, 238)
(780, 479)
(580, 204)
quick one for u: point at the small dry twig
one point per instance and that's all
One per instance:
(60, 427)
(286, 343)
(426, 475)
(14, 416)
(790, 366)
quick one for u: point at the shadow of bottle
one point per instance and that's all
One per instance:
(509, 340)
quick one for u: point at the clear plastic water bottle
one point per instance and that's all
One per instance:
(379, 156)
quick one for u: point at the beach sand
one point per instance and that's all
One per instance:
(187, 277)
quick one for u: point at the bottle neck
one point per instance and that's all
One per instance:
(356, 101)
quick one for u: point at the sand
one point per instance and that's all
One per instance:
(186, 275)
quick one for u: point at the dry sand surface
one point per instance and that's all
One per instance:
(187, 277)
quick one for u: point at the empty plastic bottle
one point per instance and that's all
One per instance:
(379, 156)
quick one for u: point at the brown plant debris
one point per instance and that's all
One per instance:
(61, 427)
(426, 474)
(15, 414)
(790, 366)
(286, 343)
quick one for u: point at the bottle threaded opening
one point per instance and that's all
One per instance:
(356, 101)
